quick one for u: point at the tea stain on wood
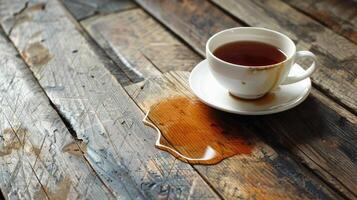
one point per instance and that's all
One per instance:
(60, 192)
(10, 142)
(17, 177)
(340, 16)
(334, 79)
(82, 9)
(336, 75)
(36, 54)
(20, 8)
(31, 138)
(100, 112)
(36, 151)
(337, 80)
(245, 176)
(196, 133)
(157, 170)
(140, 44)
(184, 89)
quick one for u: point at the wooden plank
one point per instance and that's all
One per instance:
(158, 88)
(140, 43)
(118, 145)
(267, 173)
(196, 19)
(322, 134)
(33, 165)
(340, 16)
(20, 15)
(17, 177)
(336, 73)
(82, 9)
(345, 151)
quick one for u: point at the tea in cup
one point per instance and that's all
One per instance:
(250, 62)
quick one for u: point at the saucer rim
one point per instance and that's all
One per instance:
(293, 104)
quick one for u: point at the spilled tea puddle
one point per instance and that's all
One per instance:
(196, 133)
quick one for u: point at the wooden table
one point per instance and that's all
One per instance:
(77, 77)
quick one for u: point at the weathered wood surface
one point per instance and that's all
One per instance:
(340, 16)
(20, 14)
(75, 76)
(338, 57)
(33, 164)
(82, 9)
(323, 135)
(198, 20)
(310, 152)
(195, 21)
(143, 44)
(117, 144)
(242, 176)
(113, 41)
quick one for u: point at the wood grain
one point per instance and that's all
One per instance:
(340, 16)
(20, 13)
(82, 9)
(336, 73)
(33, 165)
(322, 134)
(143, 44)
(198, 20)
(267, 173)
(346, 152)
(118, 146)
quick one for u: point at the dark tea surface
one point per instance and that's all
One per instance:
(249, 53)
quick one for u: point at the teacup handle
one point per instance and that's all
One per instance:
(307, 73)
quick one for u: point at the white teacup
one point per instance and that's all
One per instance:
(253, 82)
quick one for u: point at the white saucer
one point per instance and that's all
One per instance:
(210, 92)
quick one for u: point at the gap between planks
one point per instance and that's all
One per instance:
(92, 40)
(160, 15)
(123, 19)
(63, 119)
(163, 156)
